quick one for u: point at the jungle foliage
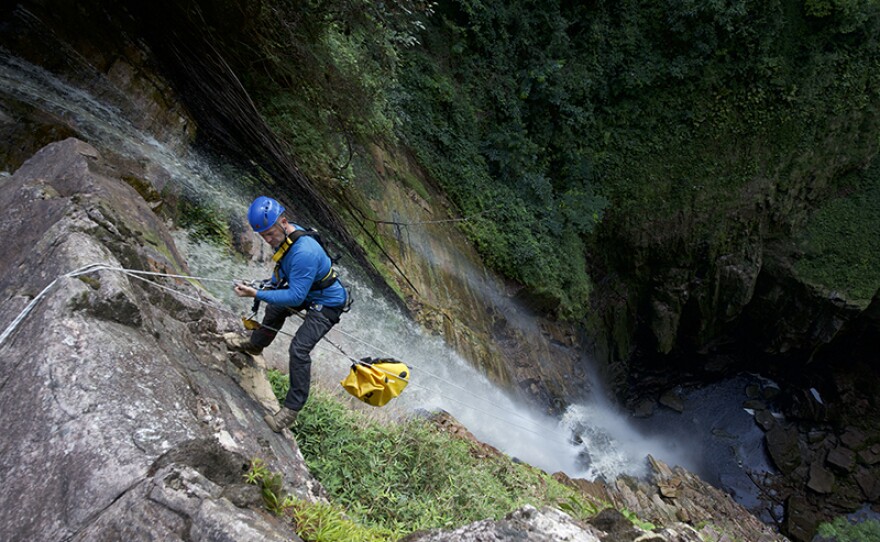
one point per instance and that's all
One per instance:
(547, 122)
(686, 116)
(843, 530)
(839, 242)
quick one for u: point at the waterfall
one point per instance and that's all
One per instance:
(591, 440)
(104, 126)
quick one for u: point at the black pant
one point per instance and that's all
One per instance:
(317, 323)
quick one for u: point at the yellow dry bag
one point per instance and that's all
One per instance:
(376, 381)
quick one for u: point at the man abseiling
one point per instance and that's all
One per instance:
(304, 279)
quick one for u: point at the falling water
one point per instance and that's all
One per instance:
(590, 440)
(104, 126)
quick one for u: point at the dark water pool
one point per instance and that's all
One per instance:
(731, 453)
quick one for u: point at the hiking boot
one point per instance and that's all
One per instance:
(240, 343)
(281, 419)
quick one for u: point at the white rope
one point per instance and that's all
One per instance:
(30, 306)
(162, 286)
(21, 316)
(157, 274)
(459, 401)
(136, 273)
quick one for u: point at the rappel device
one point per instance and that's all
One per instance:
(250, 322)
(376, 381)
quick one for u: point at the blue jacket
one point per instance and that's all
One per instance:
(303, 264)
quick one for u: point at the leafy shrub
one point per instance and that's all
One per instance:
(314, 522)
(204, 223)
(318, 522)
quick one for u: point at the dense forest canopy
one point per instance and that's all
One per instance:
(557, 127)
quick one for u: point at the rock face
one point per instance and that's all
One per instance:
(819, 348)
(675, 498)
(550, 525)
(452, 293)
(124, 415)
(788, 317)
(525, 524)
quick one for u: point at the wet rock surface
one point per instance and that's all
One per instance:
(451, 293)
(125, 416)
(831, 478)
(672, 496)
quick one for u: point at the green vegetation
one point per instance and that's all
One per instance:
(204, 223)
(270, 484)
(386, 481)
(840, 240)
(646, 525)
(93, 282)
(313, 522)
(321, 71)
(685, 117)
(407, 477)
(843, 530)
(328, 523)
(668, 125)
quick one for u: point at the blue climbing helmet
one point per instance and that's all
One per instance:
(263, 213)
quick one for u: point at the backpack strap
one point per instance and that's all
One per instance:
(324, 282)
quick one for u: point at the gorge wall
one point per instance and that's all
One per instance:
(672, 304)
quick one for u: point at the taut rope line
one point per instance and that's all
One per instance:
(140, 275)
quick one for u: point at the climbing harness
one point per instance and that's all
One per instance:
(278, 283)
